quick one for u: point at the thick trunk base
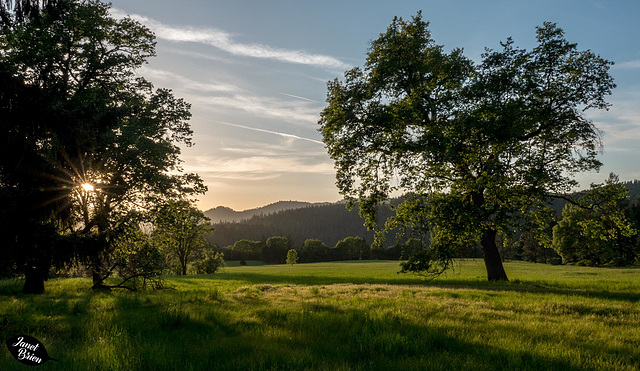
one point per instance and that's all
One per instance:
(492, 261)
(33, 282)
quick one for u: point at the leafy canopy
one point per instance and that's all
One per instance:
(479, 141)
(594, 230)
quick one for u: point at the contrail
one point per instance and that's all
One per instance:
(299, 97)
(267, 131)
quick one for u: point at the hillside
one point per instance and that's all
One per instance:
(222, 214)
(329, 223)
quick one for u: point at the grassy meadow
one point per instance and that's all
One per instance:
(338, 316)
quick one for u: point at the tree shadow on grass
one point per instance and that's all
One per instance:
(316, 336)
(200, 330)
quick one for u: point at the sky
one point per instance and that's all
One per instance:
(255, 74)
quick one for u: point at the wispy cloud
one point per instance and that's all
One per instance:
(224, 41)
(257, 167)
(214, 95)
(155, 74)
(263, 107)
(628, 65)
(621, 124)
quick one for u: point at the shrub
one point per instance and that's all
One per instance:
(292, 257)
(210, 262)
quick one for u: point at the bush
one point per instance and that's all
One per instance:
(292, 257)
(210, 262)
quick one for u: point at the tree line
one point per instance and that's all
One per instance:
(595, 227)
(274, 250)
(329, 223)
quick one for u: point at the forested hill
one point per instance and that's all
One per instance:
(224, 214)
(633, 186)
(300, 221)
(329, 223)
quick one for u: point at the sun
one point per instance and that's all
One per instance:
(87, 187)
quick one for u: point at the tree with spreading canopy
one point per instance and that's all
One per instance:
(313, 250)
(352, 248)
(470, 144)
(88, 146)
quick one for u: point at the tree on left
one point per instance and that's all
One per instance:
(86, 145)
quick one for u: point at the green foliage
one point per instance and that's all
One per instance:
(180, 230)
(139, 263)
(292, 257)
(596, 230)
(275, 250)
(314, 250)
(480, 142)
(411, 247)
(352, 248)
(209, 262)
(77, 112)
(247, 249)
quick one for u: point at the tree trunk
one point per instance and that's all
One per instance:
(184, 268)
(492, 261)
(33, 281)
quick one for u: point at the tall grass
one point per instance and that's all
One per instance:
(339, 316)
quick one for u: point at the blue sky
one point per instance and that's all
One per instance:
(255, 73)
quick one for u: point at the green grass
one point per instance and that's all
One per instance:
(339, 316)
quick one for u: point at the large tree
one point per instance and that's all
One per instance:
(88, 145)
(479, 142)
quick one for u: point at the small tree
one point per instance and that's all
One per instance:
(180, 230)
(353, 248)
(247, 250)
(292, 257)
(139, 263)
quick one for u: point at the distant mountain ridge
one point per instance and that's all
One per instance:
(223, 214)
(329, 222)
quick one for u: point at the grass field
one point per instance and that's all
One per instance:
(338, 316)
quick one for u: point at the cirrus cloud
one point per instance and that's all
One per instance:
(224, 41)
